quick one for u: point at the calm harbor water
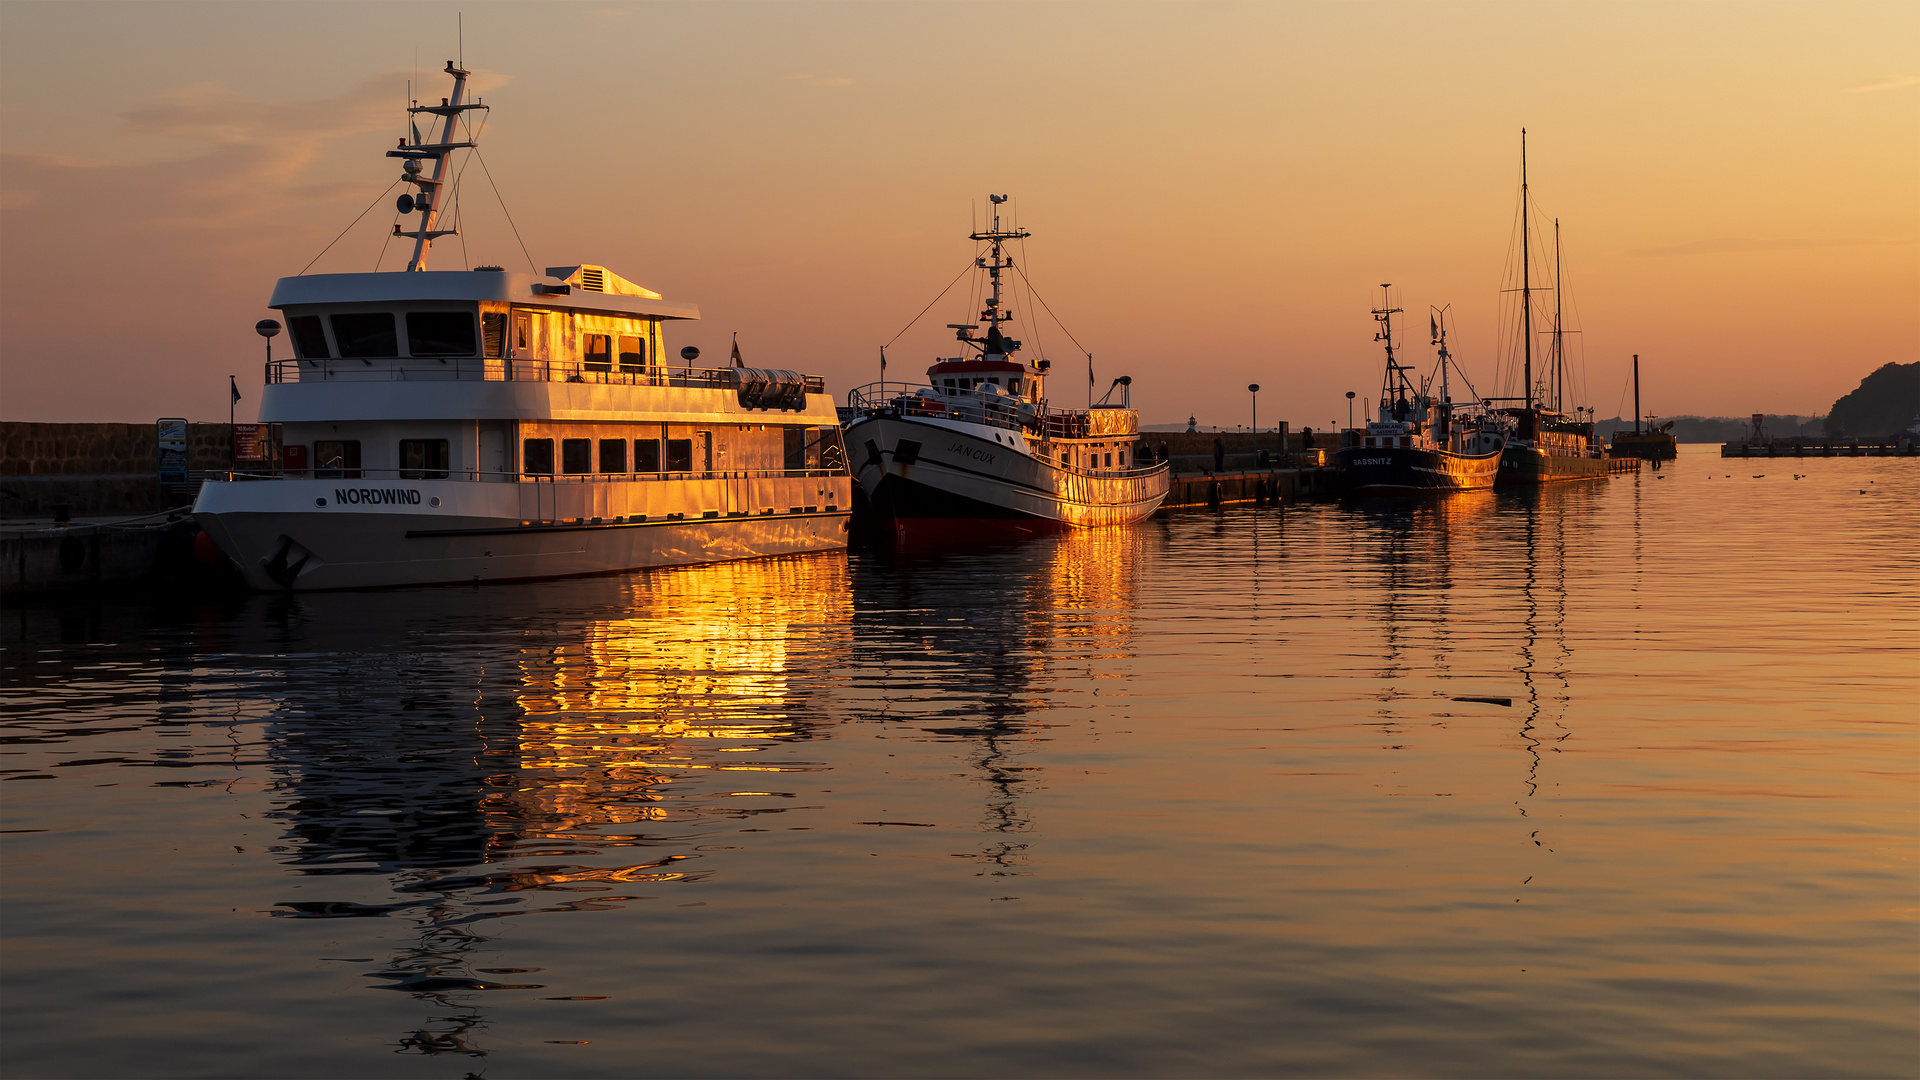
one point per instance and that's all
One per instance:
(1199, 797)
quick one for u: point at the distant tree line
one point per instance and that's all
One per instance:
(1720, 429)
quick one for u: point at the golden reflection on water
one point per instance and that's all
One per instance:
(699, 657)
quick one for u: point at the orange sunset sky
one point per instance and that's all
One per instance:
(1215, 190)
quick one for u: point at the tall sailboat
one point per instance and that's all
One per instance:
(1548, 443)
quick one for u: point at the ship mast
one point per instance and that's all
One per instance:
(996, 346)
(430, 201)
(1395, 381)
(1526, 284)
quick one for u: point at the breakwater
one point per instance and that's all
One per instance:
(95, 469)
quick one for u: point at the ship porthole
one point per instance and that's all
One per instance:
(435, 501)
(319, 502)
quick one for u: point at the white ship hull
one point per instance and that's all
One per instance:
(351, 534)
(942, 479)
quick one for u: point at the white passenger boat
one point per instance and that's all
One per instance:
(482, 425)
(978, 454)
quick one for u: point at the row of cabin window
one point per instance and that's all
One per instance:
(1093, 459)
(576, 456)
(368, 334)
(420, 459)
(969, 382)
(431, 459)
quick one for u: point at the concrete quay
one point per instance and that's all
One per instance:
(1275, 486)
(42, 556)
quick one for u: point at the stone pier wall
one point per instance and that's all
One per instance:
(98, 468)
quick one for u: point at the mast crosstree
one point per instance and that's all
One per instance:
(430, 200)
(995, 346)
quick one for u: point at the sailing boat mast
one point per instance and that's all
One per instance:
(1559, 344)
(1526, 284)
(1636, 393)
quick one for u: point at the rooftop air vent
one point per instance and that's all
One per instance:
(593, 279)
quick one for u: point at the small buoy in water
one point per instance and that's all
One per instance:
(206, 551)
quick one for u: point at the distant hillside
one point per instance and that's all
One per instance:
(1885, 403)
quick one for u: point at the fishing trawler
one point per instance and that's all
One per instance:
(977, 453)
(1654, 444)
(1421, 442)
(1548, 444)
(483, 425)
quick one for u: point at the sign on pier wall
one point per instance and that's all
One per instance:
(171, 456)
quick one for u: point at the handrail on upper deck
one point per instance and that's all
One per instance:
(504, 369)
(500, 476)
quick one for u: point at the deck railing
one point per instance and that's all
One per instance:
(512, 369)
(483, 475)
(912, 399)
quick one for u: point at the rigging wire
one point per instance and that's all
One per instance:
(924, 310)
(1039, 347)
(488, 173)
(1049, 310)
(350, 225)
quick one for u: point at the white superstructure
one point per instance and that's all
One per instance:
(475, 425)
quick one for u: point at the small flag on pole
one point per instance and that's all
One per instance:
(737, 362)
(234, 389)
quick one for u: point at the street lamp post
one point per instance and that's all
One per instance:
(1254, 389)
(1349, 412)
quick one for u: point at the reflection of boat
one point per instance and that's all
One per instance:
(478, 425)
(1655, 444)
(979, 454)
(1548, 444)
(1421, 442)
(562, 759)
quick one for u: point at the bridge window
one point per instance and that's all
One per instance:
(423, 459)
(522, 329)
(1109, 460)
(440, 333)
(366, 333)
(633, 353)
(576, 456)
(598, 352)
(679, 455)
(536, 456)
(337, 459)
(613, 455)
(493, 334)
(309, 340)
(1123, 459)
(1013, 385)
(646, 455)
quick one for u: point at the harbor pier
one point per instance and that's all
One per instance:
(1802, 447)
